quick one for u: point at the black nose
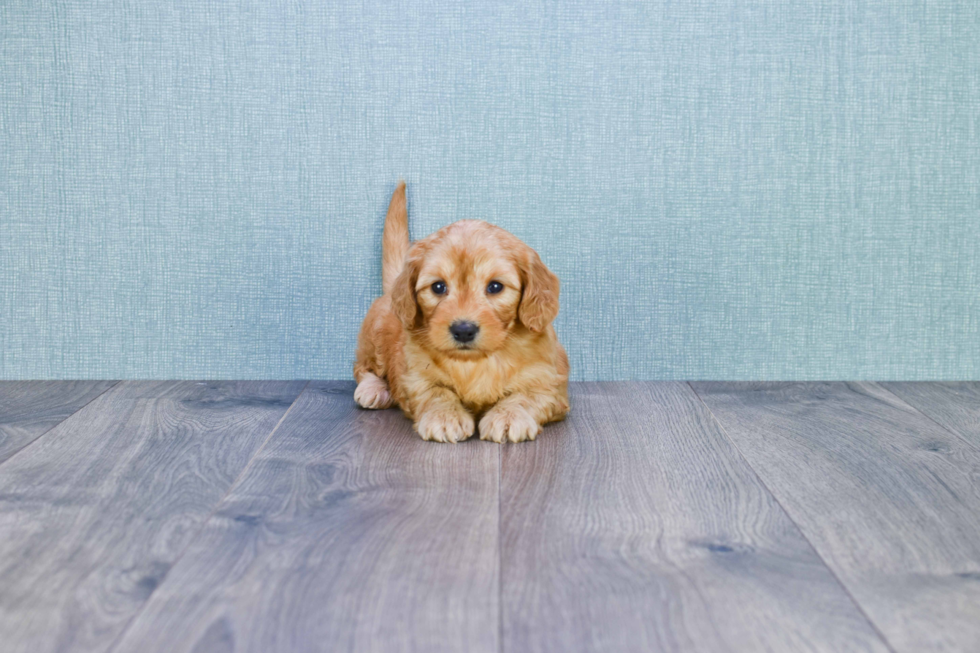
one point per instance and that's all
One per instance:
(463, 331)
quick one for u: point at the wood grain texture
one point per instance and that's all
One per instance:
(346, 533)
(635, 526)
(94, 514)
(889, 499)
(28, 409)
(955, 406)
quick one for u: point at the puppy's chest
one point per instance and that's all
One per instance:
(479, 384)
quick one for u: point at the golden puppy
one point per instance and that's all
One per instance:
(463, 332)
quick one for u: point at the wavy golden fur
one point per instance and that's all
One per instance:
(512, 375)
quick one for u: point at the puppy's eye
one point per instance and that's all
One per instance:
(439, 288)
(494, 287)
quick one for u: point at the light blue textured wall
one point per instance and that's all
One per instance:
(728, 189)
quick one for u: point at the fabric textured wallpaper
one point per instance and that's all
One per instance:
(728, 189)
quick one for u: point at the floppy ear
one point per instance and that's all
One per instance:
(539, 299)
(403, 302)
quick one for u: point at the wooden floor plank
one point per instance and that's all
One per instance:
(28, 409)
(346, 533)
(956, 406)
(635, 526)
(93, 514)
(889, 499)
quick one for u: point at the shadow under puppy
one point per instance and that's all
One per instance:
(463, 331)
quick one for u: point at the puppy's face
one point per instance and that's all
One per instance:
(466, 288)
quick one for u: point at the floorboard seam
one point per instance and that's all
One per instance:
(845, 588)
(204, 522)
(500, 552)
(80, 408)
(908, 403)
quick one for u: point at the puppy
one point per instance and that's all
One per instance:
(463, 333)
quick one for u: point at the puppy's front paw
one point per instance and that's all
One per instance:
(511, 423)
(442, 425)
(372, 392)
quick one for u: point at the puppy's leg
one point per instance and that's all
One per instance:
(441, 416)
(372, 392)
(520, 416)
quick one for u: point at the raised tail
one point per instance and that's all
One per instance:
(394, 242)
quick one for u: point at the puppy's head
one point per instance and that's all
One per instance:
(465, 288)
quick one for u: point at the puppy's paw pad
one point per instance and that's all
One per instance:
(445, 425)
(372, 392)
(514, 424)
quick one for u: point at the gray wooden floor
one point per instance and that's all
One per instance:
(276, 516)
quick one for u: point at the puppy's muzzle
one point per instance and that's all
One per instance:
(464, 332)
